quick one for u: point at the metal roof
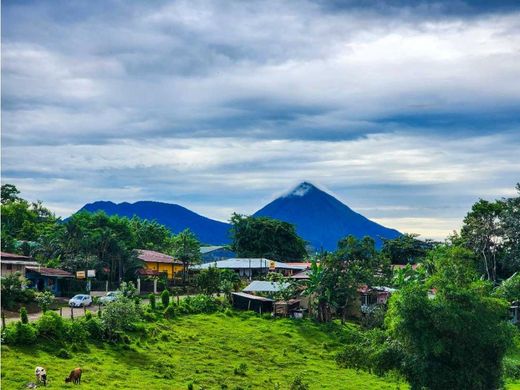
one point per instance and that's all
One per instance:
(149, 256)
(265, 286)
(51, 272)
(207, 249)
(246, 263)
(252, 297)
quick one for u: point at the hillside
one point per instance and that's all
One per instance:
(203, 349)
(174, 217)
(321, 219)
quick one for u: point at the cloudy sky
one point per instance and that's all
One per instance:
(407, 113)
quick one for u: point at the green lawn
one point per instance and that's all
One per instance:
(205, 350)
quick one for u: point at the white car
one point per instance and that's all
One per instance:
(110, 296)
(80, 300)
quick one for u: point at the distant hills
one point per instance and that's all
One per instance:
(320, 218)
(174, 217)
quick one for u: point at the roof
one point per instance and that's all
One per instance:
(207, 249)
(246, 263)
(252, 297)
(265, 286)
(149, 256)
(13, 256)
(304, 275)
(51, 272)
(148, 272)
(307, 265)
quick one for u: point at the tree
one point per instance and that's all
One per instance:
(406, 249)
(510, 221)
(14, 290)
(44, 300)
(208, 281)
(186, 247)
(9, 193)
(334, 283)
(509, 289)
(482, 233)
(165, 298)
(118, 316)
(266, 237)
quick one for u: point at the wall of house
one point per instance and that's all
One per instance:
(170, 269)
(8, 269)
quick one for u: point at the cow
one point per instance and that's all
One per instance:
(41, 375)
(74, 376)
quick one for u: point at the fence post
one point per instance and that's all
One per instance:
(155, 285)
(106, 286)
(3, 320)
(138, 285)
(72, 313)
(84, 309)
(61, 311)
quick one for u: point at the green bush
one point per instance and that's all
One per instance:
(149, 315)
(88, 315)
(51, 325)
(169, 312)
(63, 353)
(165, 298)
(241, 370)
(151, 297)
(199, 304)
(76, 332)
(94, 328)
(511, 369)
(23, 315)
(44, 300)
(119, 316)
(19, 334)
(299, 384)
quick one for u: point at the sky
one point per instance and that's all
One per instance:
(408, 112)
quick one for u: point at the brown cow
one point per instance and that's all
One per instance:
(74, 376)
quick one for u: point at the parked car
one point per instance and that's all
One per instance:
(80, 300)
(110, 296)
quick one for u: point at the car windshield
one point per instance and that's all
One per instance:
(78, 297)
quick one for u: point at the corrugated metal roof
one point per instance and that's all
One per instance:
(51, 272)
(207, 249)
(265, 286)
(155, 257)
(246, 263)
(252, 297)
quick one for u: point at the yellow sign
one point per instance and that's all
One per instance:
(272, 265)
(80, 274)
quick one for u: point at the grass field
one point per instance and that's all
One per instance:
(205, 350)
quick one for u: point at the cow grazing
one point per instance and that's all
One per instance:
(74, 376)
(41, 375)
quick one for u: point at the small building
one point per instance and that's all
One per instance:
(249, 267)
(244, 301)
(290, 308)
(159, 262)
(52, 279)
(12, 263)
(210, 254)
(302, 275)
(514, 312)
(265, 287)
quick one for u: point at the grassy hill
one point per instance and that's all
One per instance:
(204, 350)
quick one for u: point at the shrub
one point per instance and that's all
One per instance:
(511, 369)
(119, 316)
(149, 315)
(165, 298)
(199, 304)
(299, 384)
(94, 328)
(63, 353)
(44, 300)
(190, 386)
(241, 369)
(170, 312)
(23, 315)
(19, 334)
(128, 289)
(151, 297)
(88, 315)
(14, 291)
(51, 325)
(76, 332)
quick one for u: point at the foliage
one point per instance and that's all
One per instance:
(241, 369)
(266, 237)
(23, 315)
(118, 316)
(9, 193)
(299, 384)
(510, 289)
(186, 247)
(165, 298)
(170, 311)
(128, 289)
(208, 281)
(406, 249)
(153, 303)
(334, 283)
(44, 299)
(199, 304)
(510, 218)
(15, 291)
(406, 275)
(50, 325)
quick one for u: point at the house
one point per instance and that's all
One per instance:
(157, 263)
(244, 301)
(52, 279)
(210, 254)
(12, 263)
(249, 267)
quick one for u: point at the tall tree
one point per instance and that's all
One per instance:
(9, 193)
(482, 233)
(406, 249)
(186, 247)
(510, 220)
(266, 237)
